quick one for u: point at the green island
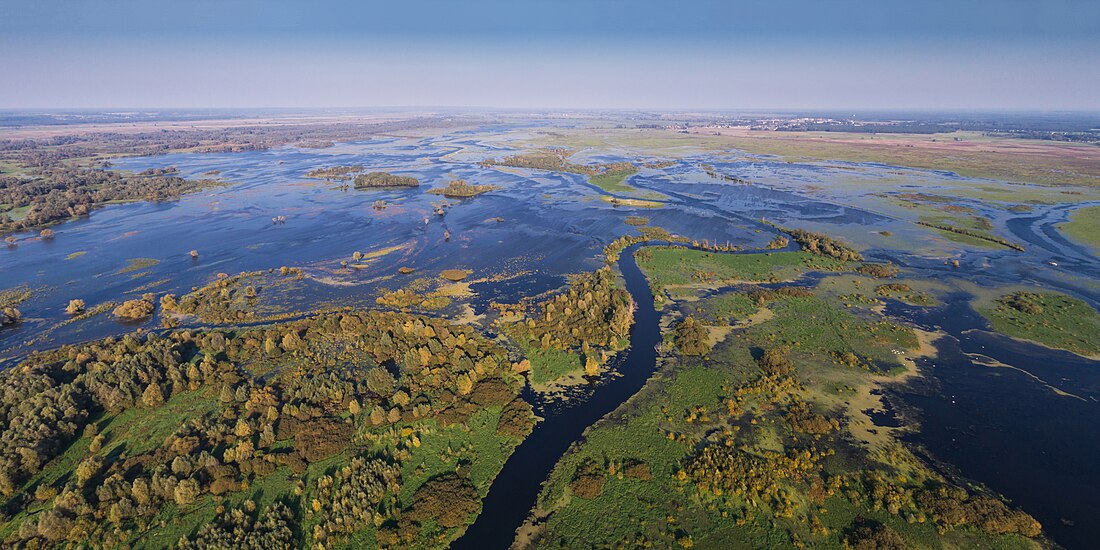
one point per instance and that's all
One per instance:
(1049, 318)
(51, 194)
(1083, 227)
(339, 173)
(372, 180)
(348, 430)
(608, 177)
(673, 267)
(575, 332)
(754, 435)
(460, 189)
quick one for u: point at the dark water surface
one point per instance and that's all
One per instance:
(1010, 429)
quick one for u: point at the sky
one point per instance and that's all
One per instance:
(636, 54)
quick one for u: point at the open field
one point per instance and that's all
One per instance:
(1084, 227)
(676, 266)
(966, 153)
(1049, 318)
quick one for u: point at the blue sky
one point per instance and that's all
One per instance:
(779, 54)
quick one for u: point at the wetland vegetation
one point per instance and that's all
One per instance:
(1049, 318)
(275, 435)
(360, 372)
(460, 189)
(1083, 227)
(384, 179)
(609, 177)
(763, 442)
(56, 193)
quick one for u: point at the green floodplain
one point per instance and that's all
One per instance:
(756, 436)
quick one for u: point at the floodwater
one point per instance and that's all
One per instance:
(1006, 428)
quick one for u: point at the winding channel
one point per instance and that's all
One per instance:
(515, 490)
(990, 400)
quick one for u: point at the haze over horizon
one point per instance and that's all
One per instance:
(792, 54)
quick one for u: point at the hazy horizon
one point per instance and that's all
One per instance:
(792, 55)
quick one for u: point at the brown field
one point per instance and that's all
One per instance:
(966, 153)
(48, 131)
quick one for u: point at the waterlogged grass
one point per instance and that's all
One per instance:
(611, 181)
(476, 446)
(137, 264)
(676, 266)
(684, 407)
(821, 330)
(1084, 227)
(548, 365)
(1054, 320)
(729, 307)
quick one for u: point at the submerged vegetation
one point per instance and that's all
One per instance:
(233, 299)
(10, 299)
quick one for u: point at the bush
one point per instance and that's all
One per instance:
(776, 361)
(75, 307)
(447, 499)
(691, 337)
(134, 310)
(1024, 302)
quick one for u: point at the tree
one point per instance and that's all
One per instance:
(691, 337)
(380, 381)
(377, 415)
(87, 469)
(776, 361)
(242, 429)
(75, 307)
(447, 499)
(133, 310)
(465, 384)
(186, 492)
(591, 365)
(152, 397)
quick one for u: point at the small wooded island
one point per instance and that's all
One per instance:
(458, 189)
(369, 180)
(384, 179)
